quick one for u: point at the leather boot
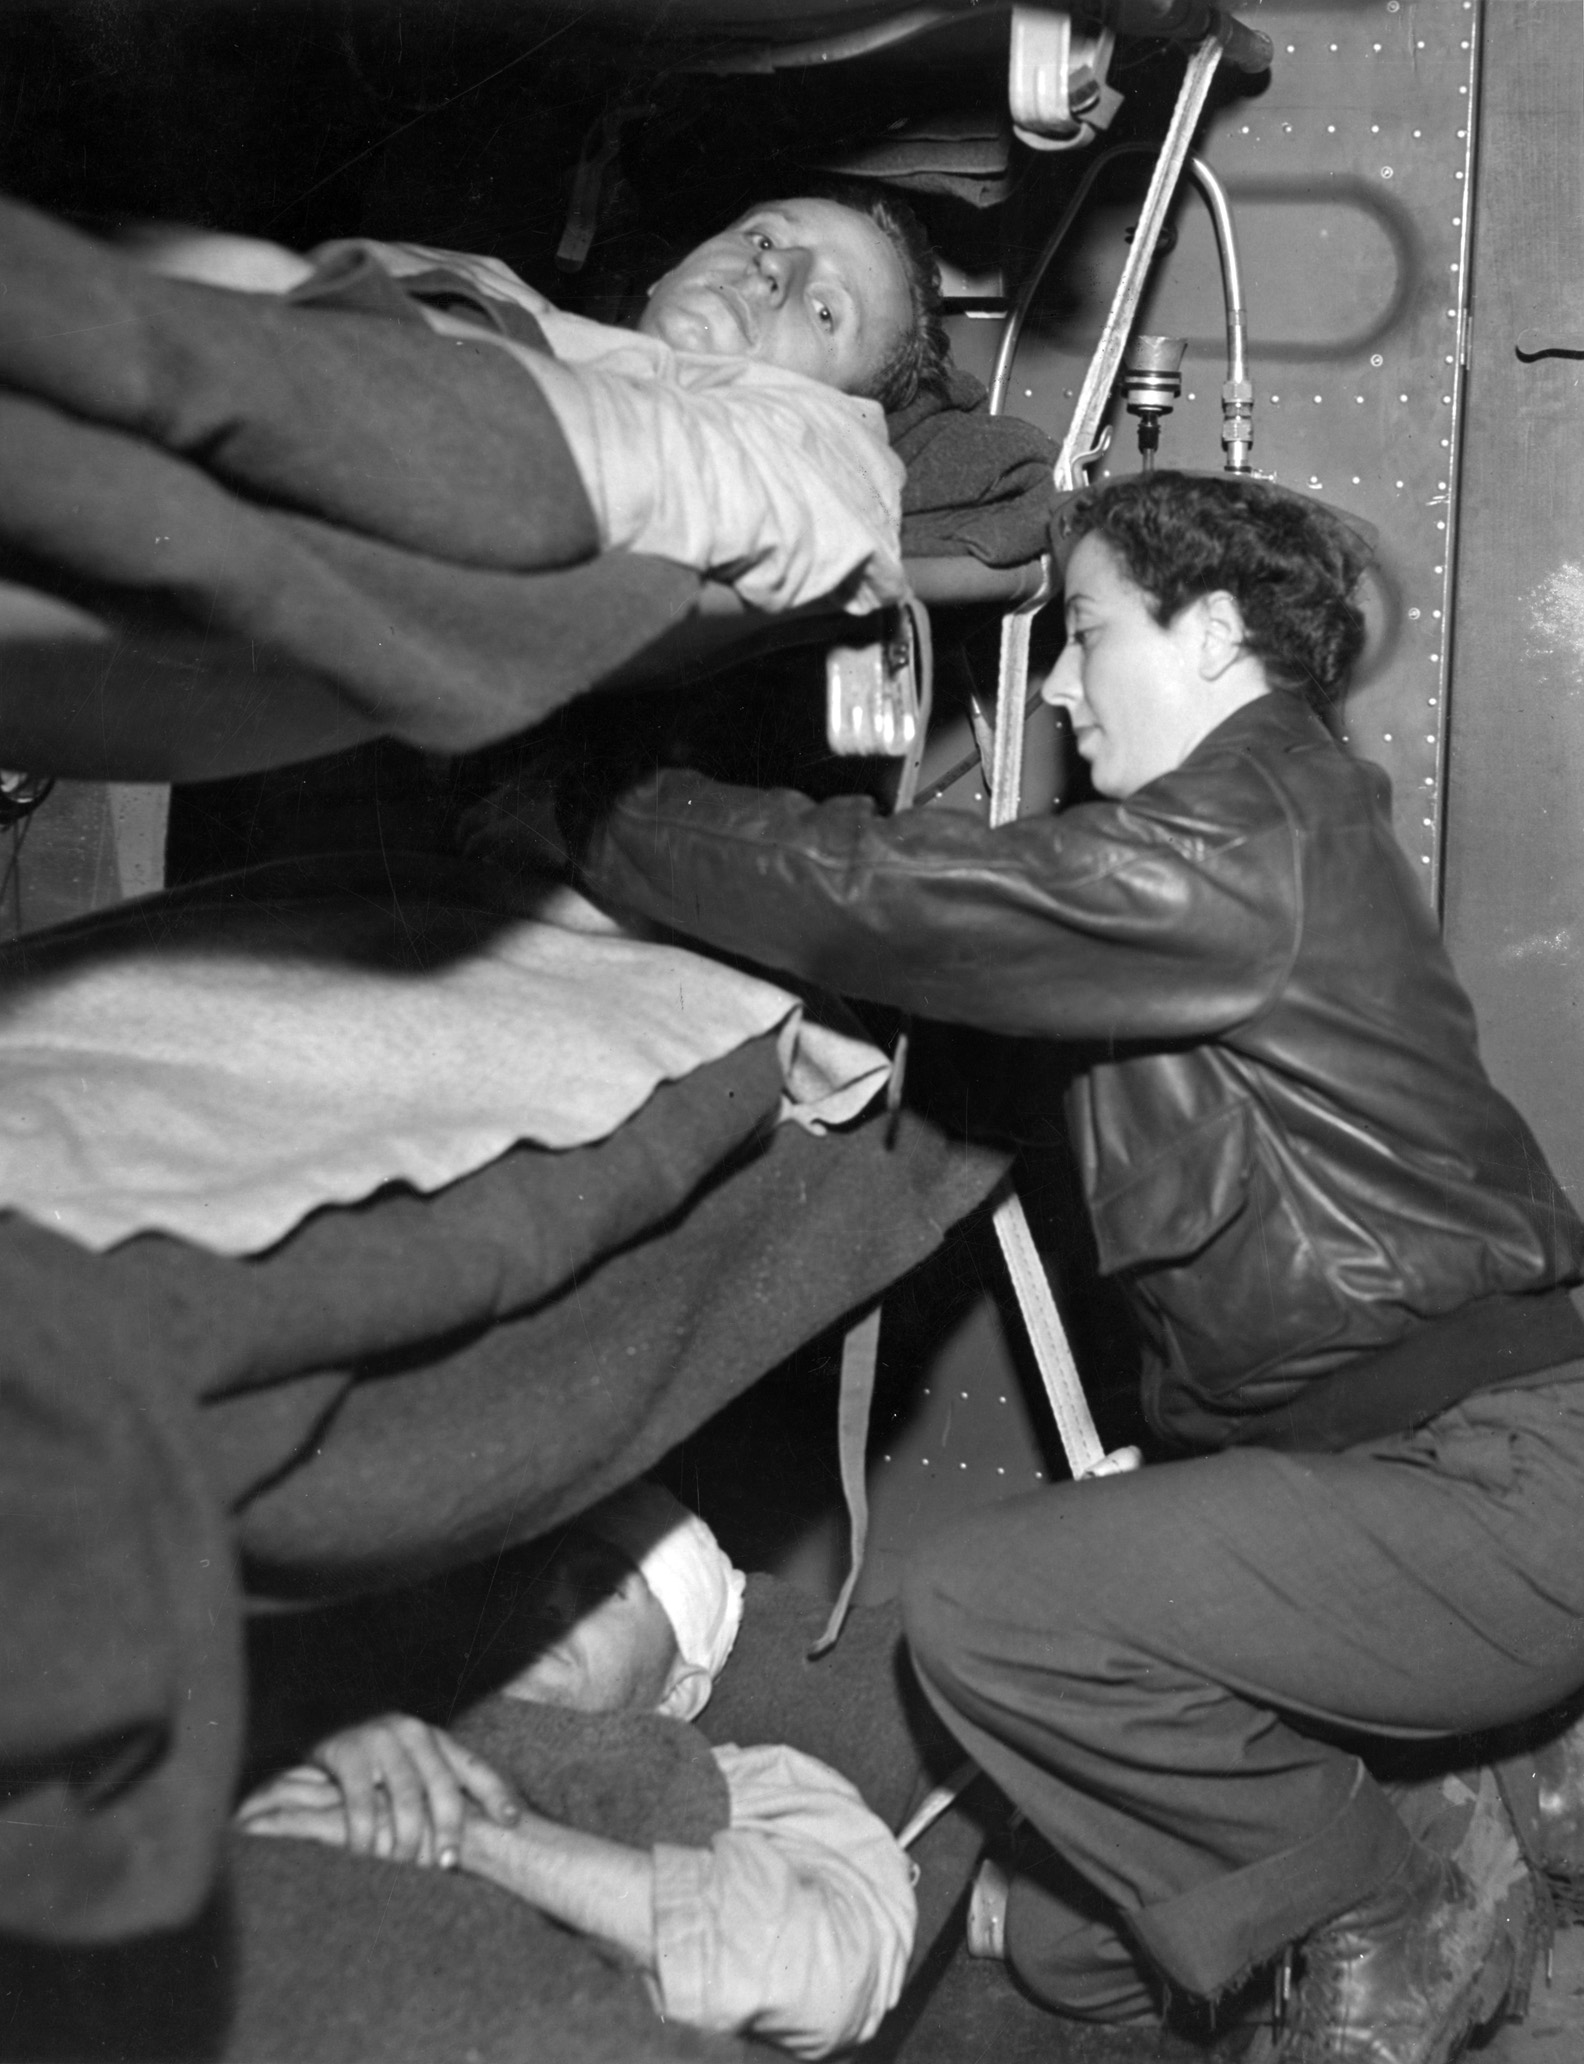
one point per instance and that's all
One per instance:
(1545, 1786)
(1404, 1977)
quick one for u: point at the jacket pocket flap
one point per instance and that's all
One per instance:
(1181, 1198)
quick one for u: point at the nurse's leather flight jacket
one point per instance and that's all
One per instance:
(1290, 1150)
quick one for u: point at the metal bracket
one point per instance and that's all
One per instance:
(871, 692)
(1056, 82)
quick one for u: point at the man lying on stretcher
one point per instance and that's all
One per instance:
(739, 429)
(795, 1922)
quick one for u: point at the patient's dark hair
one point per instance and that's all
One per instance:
(492, 1604)
(920, 360)
(1291, 565)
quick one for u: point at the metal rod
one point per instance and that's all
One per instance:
(1058, 1371)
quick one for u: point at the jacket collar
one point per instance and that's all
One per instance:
(1278, 717)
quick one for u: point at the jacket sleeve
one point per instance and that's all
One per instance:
(1174, 915)
(797, 1922)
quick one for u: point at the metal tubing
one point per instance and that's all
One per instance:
(1237, 395)
(1220, 207)
(1215, 197)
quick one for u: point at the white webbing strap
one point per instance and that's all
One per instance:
(860, 1358)
(1058, 1371)
(1041, 1320)
(1006, 765)
(861, 1347)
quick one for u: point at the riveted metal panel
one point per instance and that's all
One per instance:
(970, 1434)
(1347, 176)
(1515, 834)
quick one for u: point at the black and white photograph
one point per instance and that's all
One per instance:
(791, 985)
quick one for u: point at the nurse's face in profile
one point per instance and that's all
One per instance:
(1141, 694)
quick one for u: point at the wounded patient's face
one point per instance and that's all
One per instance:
(809, 286)
(601, 1639)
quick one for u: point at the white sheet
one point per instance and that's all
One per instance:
(219, 1076)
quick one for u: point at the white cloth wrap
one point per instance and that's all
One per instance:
(679, 1558)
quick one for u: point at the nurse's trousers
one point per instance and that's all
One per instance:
(1163, 1670)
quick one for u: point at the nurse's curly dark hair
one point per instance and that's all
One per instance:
(1290, 564)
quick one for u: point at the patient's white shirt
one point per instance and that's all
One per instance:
(797, 1922)
(785, 488)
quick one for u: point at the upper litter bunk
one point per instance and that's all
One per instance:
(1057, 58)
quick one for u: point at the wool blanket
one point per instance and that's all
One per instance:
(307, 1955)
(977, 484)
(390, 511)
(397, 1387)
